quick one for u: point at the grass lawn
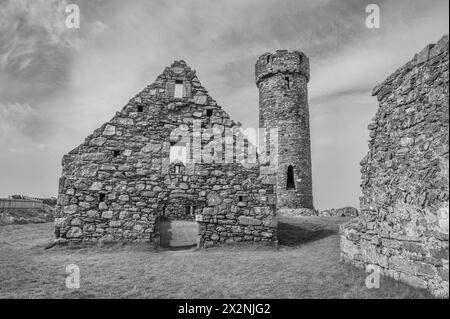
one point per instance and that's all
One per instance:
(306, 265)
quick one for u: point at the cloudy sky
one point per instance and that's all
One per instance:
(58, 84)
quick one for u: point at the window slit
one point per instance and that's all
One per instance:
(290, 178)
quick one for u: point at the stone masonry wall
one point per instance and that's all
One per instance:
(339, 212)
(403, 226)
(120, 183)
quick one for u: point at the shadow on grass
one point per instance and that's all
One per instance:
(166, 234)
(295, 235)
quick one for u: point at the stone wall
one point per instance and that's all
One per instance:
(403, 227)
(282, 79)
(339, 212)
(120, 183)
(296, 212)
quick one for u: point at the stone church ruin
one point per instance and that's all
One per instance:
(173, 154)
(403, 227)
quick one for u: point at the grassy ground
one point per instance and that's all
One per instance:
(305, 266)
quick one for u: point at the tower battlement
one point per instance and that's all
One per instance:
(282, 61)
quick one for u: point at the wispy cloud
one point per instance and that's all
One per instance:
(36, 48)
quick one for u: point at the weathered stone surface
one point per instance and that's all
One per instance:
(200, 99)
(243, 220)
(214, 199)
(96, 186)
(109, 130)
(293, 212)
(403, 224)
(74, 232)
(107, 214)
(60, 222)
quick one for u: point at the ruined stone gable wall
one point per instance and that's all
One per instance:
(403, 226)
(119, 182)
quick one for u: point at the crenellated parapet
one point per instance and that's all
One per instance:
(282, 61)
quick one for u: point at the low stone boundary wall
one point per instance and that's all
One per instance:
(340, 212)
(295, 212)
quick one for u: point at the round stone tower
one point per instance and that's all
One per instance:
(282, 79)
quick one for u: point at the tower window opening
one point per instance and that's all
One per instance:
(178, 89)
(241, 198)
(177, 169)
(116, 153)
(246, 145)
(290, 178)
(209, 112)
(101, 197)
(288, 82)
(269, 58)
(140, 108)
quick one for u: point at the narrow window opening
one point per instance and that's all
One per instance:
(140, 108)
(116, 153)
(102, 198)
(177, 169)
(290, 178)
(246, 149)
(288, 83)
(269, 58)
(178, 89)
(241, 198)
(209, 112)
